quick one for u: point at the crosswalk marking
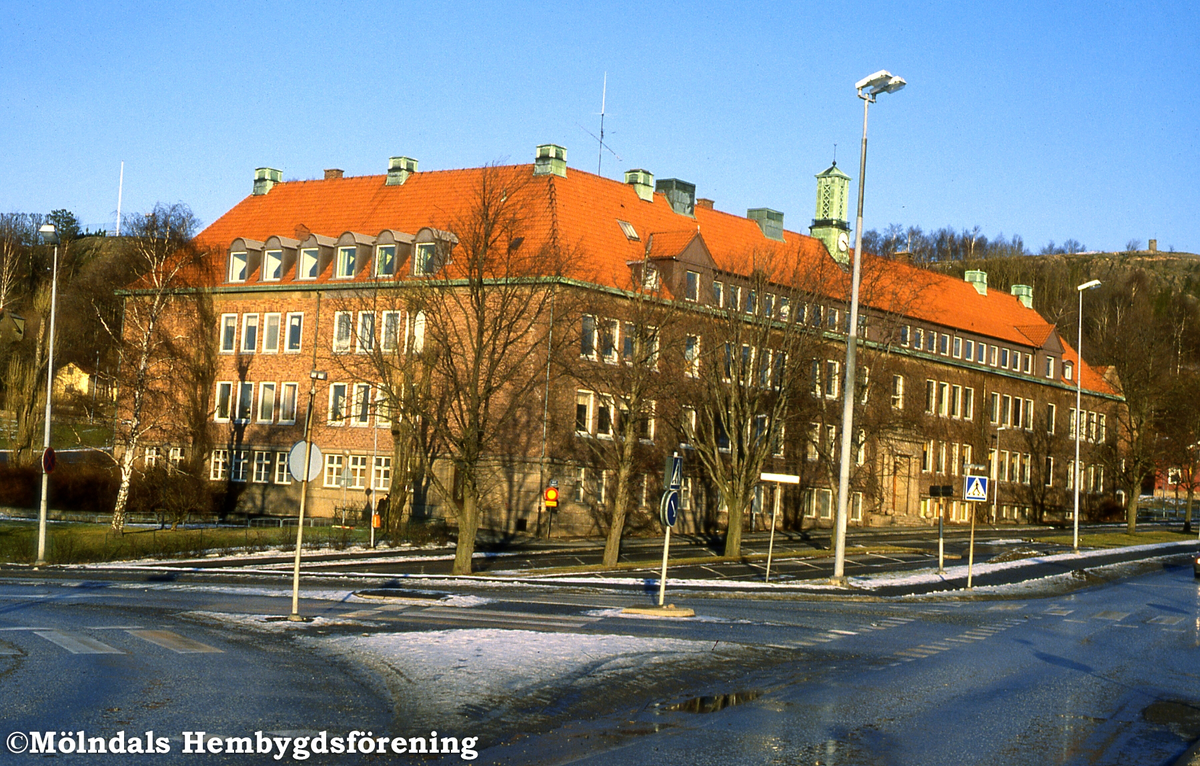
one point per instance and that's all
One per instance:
(8, 650)
(76, 644)
(1110, 615)
(173, 641)
(1166, 619)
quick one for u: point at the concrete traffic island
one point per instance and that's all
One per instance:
(670, 610)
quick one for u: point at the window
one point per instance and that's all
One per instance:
(237, 468)
(271, 333)
(266, 402)
(931, 341)
(956, 401)
(151, 455)
(1006, 411)
(930, 397)
(995, 409)
(362, 405)
(718, 294)
(918, 338)
(425, 259)
(691, 286)
(418, 333)
(309, 263)
(282, 474)
(295, 328)
(587, 337)
(688, 424)
(287, 403)
(249, 333)
(733, 299)
(898, 392)
(628, 230)
(337, 403)
(343, 331)
(381, 476)
(365, 340)
(605, 416)
(583, 412)
(785, 309)
(944, 344)
(1050, 367)
(335, 468)
(358, 472)
(272, 266)
(1027, 364)
(969, 350)
(856, 506)
(1004, 358)
(383, 409)
(831, 378)
(943, 399)
(751, 302)
(344, 267)
(691, 356)
(610, 330)
(389, 338)
(263, 462)
(904, 335)
(645, 422)
(1101, 428)
(995, 351)
(175, 456)
(385, 260)
(1068, 370)
(831, 318)
(1028, 414)
(224, 402)
(1051, 412)
(237, 267)
(968, 404)
(218, 465)
(768, 305)
(981, 353)
(628, 342)
(245, 403)
(1048, 472)
(228, 333)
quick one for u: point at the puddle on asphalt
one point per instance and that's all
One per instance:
(1180, 717)
(711, 704)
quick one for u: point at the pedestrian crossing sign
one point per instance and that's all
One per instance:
(975, 488)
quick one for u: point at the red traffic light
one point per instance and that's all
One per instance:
(550, 497)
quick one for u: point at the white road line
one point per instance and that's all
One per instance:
(76, 644)
(173, 641)
(1165, 619)
(1110, 615)
(8, 650)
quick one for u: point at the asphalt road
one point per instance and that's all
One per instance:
(1103, 675)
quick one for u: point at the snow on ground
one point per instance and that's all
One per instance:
(449, 670)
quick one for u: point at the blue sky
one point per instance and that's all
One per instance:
(1045, 119)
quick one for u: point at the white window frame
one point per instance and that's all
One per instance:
(360, 416)
(218, 465)
(270, 337)
(272, 270)
(239, 462)
(345, 266)
(343, 331)
(286, 391)
(263, 388)
(381, 473)
(228, 333)
(263, 463)
(225, 416)
(308, 263)
(391, 342)
(335, 467)
(424, 259)
(243, 412)
(239, 266)
(337, 413)
(283, 474)
(295, 320)
(588, 400)
(385, 266)
(691, 286)
(249, 344)
(364, 337)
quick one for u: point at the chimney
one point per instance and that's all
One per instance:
(902, 256)
(770, 221)
(1154, 245)
(551, 160)
(977, 279)
(1024, 294)
(399, 169)
(332, 173)
(265, 178)
(705, 203)
(642, 182)
(681, 194)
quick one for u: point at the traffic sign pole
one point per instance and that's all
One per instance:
(941, 536)
(971, 555)
(662, 581)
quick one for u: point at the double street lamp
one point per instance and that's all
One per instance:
(868, 89)
(1078, 477)
(50, 237)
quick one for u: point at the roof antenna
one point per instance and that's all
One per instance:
(600, 139)
(835, 155)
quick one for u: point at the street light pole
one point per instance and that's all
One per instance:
(50, 236)
(868, 88)
(1075, 480)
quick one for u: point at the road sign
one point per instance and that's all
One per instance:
(296, 462)
(49, 460)
(782, 478)
(673, 472)
(550, 497)
(668, 508)
(975, 488)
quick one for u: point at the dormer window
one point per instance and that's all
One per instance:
(272, 266)
(691, 289)
(649, 277)
(385, 261)
(309, 263)
(1068, 370)
(424, 259)
(345, 262)
(237, 267)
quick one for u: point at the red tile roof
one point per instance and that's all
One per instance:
(582, 212)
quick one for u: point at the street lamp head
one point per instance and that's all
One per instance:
(317, 375)
(1088, 285)
(49, 234)
(882, 81)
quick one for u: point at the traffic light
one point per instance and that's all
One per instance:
(550, 497)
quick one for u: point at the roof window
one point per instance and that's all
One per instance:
(629, 231)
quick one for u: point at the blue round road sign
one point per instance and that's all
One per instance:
(668, 509)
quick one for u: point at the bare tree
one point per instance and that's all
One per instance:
(755, 350)
(161, 246)
(486, 291)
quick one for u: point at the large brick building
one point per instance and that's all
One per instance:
(957, 373)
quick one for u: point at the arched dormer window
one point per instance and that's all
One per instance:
(244, 257)
(392, 250)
